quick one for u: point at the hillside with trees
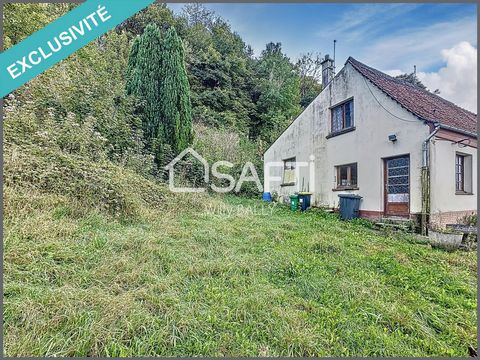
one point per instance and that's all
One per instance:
(160, 82)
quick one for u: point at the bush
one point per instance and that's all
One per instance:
(101, 185)
(220, 144)
(470, 219)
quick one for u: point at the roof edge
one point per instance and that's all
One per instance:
(459, 131)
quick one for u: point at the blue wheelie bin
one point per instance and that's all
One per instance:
(304, 200)
(349, 206)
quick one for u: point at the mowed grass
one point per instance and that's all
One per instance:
(223, 280)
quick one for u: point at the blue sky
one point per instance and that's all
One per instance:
(389, 37)
(374, 33)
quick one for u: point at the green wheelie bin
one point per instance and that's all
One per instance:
(294, 202)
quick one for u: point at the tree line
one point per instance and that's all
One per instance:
(145, 86)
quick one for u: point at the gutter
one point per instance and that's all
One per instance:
(425, 148)
(426, 180)
(454, 129)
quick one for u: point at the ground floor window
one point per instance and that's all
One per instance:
(346, 176)
(463, 173)
(289, 171)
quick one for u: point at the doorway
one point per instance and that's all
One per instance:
(397, 186)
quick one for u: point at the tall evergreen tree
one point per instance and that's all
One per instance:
(174, 92)
(143, 79)
(131, 77)
(156, 74)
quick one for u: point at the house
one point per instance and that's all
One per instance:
(408, 152)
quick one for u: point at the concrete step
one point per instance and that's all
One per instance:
(395, 220)
(392, 225)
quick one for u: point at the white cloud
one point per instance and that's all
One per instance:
(457, 80)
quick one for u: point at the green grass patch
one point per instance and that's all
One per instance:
(196, 280)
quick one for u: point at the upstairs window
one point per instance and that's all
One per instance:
(342, 116)
(289, 166)
(346, 176)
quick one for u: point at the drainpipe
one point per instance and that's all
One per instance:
(426, 179)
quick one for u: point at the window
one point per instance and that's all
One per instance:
(289, 171)
(459, 173)
(342, 116)
(463, 173)
(346, 176)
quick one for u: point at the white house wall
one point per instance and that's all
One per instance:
(442, 178)
(366, 145)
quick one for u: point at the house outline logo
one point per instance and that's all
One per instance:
(171, 171)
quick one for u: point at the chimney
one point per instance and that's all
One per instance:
(327, 70)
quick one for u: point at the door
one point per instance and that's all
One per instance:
(397, 186)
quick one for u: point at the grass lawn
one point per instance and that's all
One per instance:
(187, 281)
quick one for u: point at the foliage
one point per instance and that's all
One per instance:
(144, 75)
(220, 73)
(197, 14)
(226, 145)
(277, 93)
(469, 219)
(309, 70)
(413, 79)
(70, 159)
(21, 20)
(156, 74)
(157, 14)
(174, 91)
(87, 87)
(229, 87)
(101, 260)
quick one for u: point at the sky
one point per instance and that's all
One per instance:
(440, 39)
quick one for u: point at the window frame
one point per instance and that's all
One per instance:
(338, 169)
(344, 128)
(460, 173)
(293, 161)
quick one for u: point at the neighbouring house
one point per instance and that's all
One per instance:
(408, 152)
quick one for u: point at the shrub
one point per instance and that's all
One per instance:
(470, 219)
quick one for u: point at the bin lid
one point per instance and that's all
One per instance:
(350, 196)
(305, 193)
(293, 196)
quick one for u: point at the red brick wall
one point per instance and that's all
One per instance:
(451, 217)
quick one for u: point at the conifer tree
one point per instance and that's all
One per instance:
(131, 77)
(175, 94)
(156, 74)
(143, 79)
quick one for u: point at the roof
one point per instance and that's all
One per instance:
(421, 103)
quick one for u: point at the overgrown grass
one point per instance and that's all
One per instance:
(190, 279)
